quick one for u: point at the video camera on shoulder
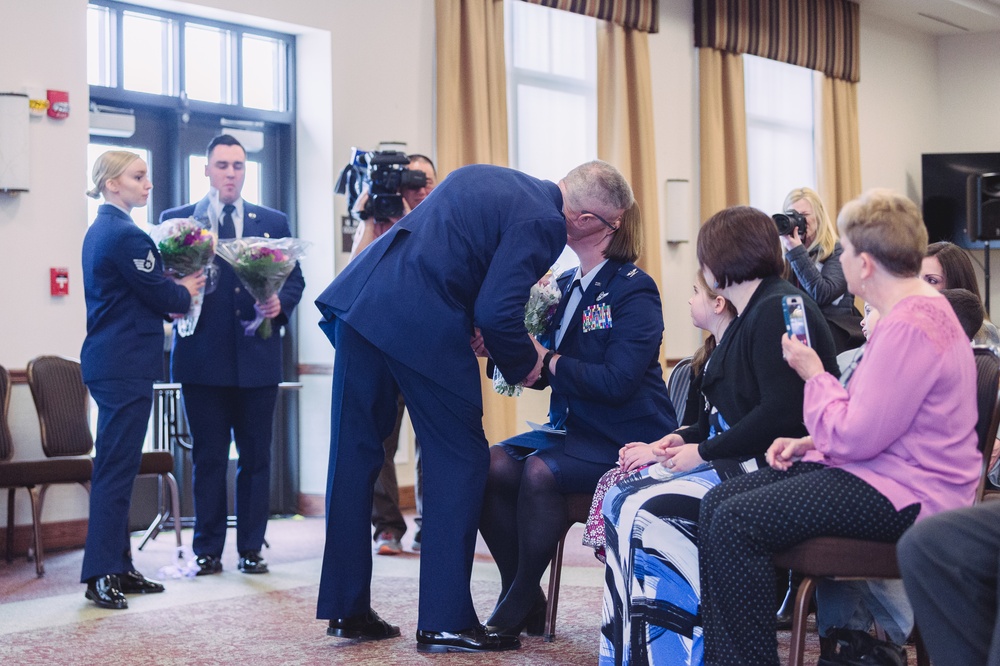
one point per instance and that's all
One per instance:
(385, 174)
(789, 220)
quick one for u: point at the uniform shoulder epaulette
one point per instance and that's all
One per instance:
(629, 270)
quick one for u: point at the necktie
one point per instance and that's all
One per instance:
(226, 227)
(567, 315)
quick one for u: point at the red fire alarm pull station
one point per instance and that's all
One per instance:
(59, 281)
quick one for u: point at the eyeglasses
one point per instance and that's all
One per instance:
(606, 223)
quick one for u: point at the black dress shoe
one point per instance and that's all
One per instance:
(252, 563)
(133, 582)
(533, 622)
(105, 591)
(476, 639)
(369, 627)
(208, 565)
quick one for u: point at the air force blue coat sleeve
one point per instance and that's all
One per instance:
(525, 253)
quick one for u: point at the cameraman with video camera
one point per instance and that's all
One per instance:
(369, 226)
(388, 178)
(812, 251)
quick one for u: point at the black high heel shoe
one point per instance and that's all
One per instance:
(533, 622)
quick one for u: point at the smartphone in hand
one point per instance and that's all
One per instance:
(795, 318)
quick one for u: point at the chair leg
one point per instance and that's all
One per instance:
(175, 510)
(555, 573)
(10, 525)
(36, 524)
(797, 646)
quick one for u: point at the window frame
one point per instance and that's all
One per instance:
(118, 95)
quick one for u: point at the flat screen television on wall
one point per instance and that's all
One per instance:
(945, 179)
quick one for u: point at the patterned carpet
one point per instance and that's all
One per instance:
(236, 619)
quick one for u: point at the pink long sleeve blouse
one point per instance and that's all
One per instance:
(906, 423)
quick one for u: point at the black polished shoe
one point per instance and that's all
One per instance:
(105, 591)
(133, 582)
(369, 627)
(208, 565)
(476, 639)
(251, 562)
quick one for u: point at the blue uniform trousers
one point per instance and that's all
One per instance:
(455, 456)
(218, 415)
(123, 416)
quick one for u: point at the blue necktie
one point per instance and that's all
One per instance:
(226, 227)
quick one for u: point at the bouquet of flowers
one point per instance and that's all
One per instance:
(262, 265)
(187, 247)
(539, 311)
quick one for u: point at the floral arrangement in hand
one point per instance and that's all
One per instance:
(539, 311)
(186, 247)
(262, 265)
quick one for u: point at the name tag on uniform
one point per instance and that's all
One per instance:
(596, 317)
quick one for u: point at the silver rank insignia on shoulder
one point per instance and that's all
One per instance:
(252, 216)
(632, 272)
(145, 265)
(601, 296)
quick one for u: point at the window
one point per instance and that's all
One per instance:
(551, 92)
(551, 89)
(207, 63)
(142, 50)
(780, 119)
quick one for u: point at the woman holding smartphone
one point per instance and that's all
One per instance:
(651, 599)
(128, 298)
(878, 455)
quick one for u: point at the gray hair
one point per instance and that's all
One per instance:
(109, 166)
(599, 187)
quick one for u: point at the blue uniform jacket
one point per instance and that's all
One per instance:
(127, 299)
(219, 353)
(608, 387)
(466, 256)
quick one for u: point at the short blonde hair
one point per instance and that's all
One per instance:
(598, 187)
(889, 227)
(826, 232)
(109, 166)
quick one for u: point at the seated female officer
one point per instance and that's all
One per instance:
(603, 365)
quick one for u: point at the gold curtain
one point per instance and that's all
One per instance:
(839, 147)
(625, 126)
(472, 126)
(471, 84)
(637, 14)
(723, 132)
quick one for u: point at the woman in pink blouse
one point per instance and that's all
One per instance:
(896, 445)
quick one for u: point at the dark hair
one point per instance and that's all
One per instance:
(417, 157)
(223, 140)
(957, 267)
(739, 244)
(968, 308)
(889, 227)
(626, 242)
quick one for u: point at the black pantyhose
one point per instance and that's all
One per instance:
(524, 516)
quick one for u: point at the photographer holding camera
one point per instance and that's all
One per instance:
(812, 251)
(387, 519)
(410, 190)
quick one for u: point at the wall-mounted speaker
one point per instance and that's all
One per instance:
(983, 206)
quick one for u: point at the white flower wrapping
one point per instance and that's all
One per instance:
(543, 300)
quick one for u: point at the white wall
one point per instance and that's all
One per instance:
(897, 104)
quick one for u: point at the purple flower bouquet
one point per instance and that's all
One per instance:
(186, 247)
(262, 265)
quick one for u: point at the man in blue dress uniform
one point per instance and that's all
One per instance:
(401, 317)
(229, 380)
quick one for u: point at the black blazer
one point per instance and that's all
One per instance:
(750, 384)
